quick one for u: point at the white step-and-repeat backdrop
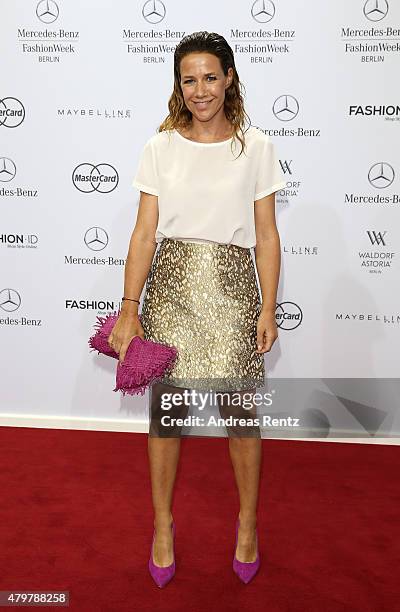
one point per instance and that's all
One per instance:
(83, 86)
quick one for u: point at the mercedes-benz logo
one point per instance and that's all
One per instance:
(10, 300)
(7, 169)
(288, 315)
(102, 178)
(381, 175)
(47, 11)
(263, 10)
(12, 112)
(376, 10)
(153, 11)
(285, 108)
(96, 238)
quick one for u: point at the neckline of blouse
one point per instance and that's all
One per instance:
(203, 144)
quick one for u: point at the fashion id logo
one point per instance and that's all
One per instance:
(100, 306)
(19, 241)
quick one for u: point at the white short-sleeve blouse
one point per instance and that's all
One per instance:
(204, 193)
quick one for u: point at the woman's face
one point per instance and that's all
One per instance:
(203, 84)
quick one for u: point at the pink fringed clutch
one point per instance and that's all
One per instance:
(145, 361)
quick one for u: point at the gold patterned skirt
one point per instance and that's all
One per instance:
(203, 298)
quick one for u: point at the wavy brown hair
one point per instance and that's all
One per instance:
(179, 115)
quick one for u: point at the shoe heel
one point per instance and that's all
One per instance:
(162, 575)
(245, 570)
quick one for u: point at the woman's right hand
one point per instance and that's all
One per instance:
(126, 327)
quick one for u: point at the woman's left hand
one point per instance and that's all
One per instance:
(267, 331)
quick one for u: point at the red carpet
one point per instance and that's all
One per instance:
(77, 516)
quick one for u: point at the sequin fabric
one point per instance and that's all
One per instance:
(204, 299)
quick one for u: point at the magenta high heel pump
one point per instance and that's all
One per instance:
(245, 570)
(162, 575)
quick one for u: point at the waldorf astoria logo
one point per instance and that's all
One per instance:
(45, 44)
(12, 112)
(368, 42)
(376, 259)
(88, 178)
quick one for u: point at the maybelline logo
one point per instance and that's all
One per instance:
(380, 176)
(88, 178)
(12, 112)
(48, 45)
(95, 239)
(262, 44)
(8, 171)
(19, 241)
(299, 249)
(376, 260)
(367, 317)
(288, 315)
(390, 112)
(10, 301)
(95, 113)
(372, 44)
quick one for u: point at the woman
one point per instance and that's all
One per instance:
(207, 196)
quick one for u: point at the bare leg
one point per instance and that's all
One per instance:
(163, 452)
(245, 452)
